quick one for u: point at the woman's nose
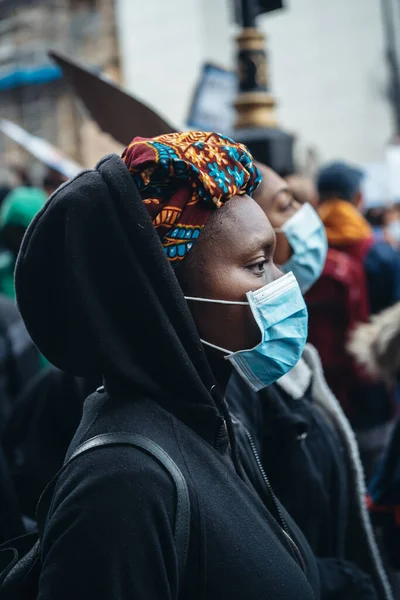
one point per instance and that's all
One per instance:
(271, 274)
(276, 273)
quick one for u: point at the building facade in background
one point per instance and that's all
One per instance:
(33, 93)
(163, 46)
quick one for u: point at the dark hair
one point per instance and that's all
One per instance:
(339, 180)
(4, 191)
(375, 216)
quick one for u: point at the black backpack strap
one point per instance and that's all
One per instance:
(182, 520)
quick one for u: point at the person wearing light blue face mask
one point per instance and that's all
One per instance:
(303, 440)
(301, 243)
(307, 238)
(280, 312)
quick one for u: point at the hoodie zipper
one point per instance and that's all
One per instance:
(282, 523)
(221, 433)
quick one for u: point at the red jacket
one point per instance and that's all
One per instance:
(336, 303)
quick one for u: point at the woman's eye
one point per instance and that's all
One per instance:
(258, 268)
(288, 205)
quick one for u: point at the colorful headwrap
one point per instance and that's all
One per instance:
(182, 177)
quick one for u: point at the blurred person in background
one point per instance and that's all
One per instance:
(17, 211)
(43, 422)
(361, 277)
(47, 403)
(376, 346)
(19, 358)
(340, 196)
(19, 364)
(180, 201)
(385, 223)
(376, 218)
(391, 226)
(298, 429)
(52, 181)
(22, 175)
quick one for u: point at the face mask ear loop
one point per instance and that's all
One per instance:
(211, 301)
(224, 350)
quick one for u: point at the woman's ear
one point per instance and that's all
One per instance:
(359, 201)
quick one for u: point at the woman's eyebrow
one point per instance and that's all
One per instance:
(262, 241)
(285, 189)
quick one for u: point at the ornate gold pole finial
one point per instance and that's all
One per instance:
(255, 105)
(256, 125)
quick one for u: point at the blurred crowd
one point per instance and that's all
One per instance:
(310, 423)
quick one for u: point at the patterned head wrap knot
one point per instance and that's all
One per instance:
(182, 177)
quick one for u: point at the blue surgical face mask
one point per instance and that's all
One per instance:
(306, 235)
(281, 314)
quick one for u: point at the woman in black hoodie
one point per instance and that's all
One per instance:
(106, 299)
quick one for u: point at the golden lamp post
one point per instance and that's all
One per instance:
(256, 123)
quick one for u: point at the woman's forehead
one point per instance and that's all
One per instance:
(270, 186)
(240, 221)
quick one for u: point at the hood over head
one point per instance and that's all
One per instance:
(97, 293)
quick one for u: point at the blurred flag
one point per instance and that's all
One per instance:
(114, 110)
(40, 149)
(212, 105)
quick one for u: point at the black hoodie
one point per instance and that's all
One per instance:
(98, 294)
